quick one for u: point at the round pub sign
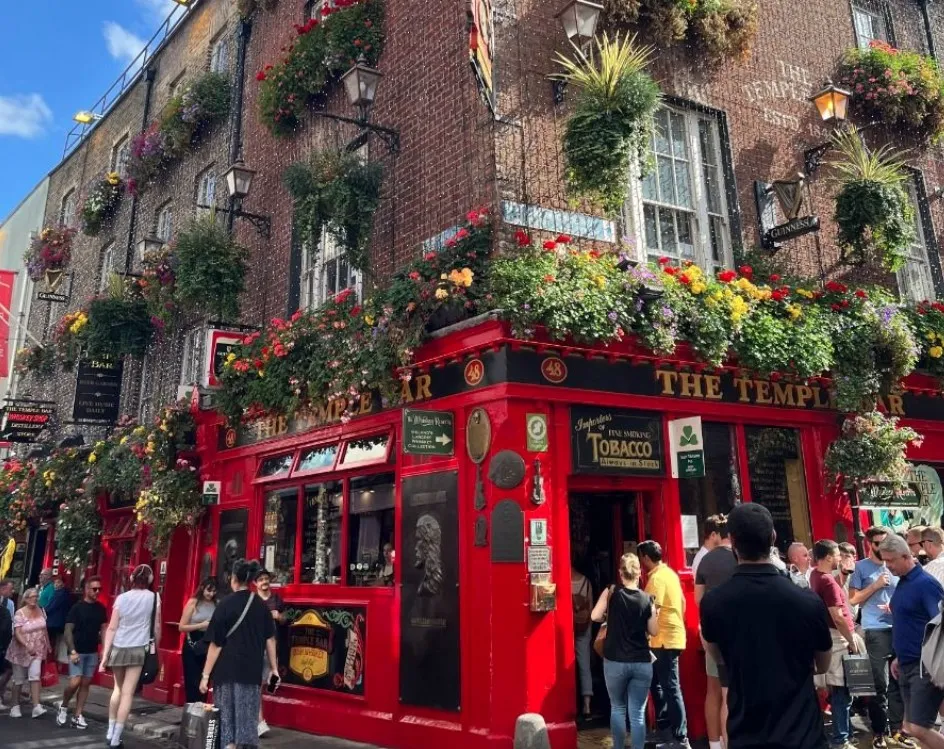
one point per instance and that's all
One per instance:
(554, 370)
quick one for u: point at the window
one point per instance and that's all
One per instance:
(914, 279)
(370, 527)
(325, 276)
(278, 535)
(174, 87)
(191, 367)
(108, 266)
(317, 459)
(119, 156)
(718, 491)
(206, 191)
(371, 450)
(219, 56)
(67, 212)
(321, 533)
(870, 19)
(277, 465)
(775, 471)
(165, 222)
(684, 214)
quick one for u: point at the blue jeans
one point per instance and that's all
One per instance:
(840, 702)
(667, 693)
(628, 687)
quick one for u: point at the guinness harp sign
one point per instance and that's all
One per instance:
(790, 195)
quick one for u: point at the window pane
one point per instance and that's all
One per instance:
(666, 181)
(278, 535)
(718, 490)
(275, 466)
(371, 523)
(650, 191)
(686, 240)
(319, 457)
(331, 278)
(678, 136)
(661, 132)
(667, 232)
(652, 232)
(683, 185)
(775, 468)
(321, 534)
(372, 449)
(710, 173)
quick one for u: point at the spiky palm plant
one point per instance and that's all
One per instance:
(873, 211)
(611, 119)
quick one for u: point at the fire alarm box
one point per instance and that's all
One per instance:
(543, 593)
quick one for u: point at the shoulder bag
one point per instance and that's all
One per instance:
(151, 663)
(601, 634)
(239, 621)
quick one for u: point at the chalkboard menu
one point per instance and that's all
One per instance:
(324, 648)
(768, 452)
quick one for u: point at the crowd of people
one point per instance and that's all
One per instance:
(230, 644)
(777, 638)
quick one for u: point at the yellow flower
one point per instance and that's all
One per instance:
(369, 319)
(935, 352)
(123, 440)
(930, 336)
(804, 293)
(443, 277)
(739, 308)
(600, 281)
(716, 296)
(698, 287)
(230, 357)
(441, 294)
(694, 272)
(467, 276)
(92, 457)
(113, 178)
(150, 448)
(794, 311)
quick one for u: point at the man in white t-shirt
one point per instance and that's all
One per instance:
(712, 536)
(800, 568)
(932, 542)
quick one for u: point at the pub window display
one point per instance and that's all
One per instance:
(371, 529)
(278, 535)
(321, 542)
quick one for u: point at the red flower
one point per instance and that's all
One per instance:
(563, 239)
(549, 278)
(261, 76)
(258, 363)
(836, 287)
(774, 277)
(522, 238)
(429, 256)
(938, 306)
(670, 270)
(835, 307)
(451, 242)
(462, 233)
(775, 376)
(685, 279)
(779, 295)
(844, 303)
(414, 276)
(549, 245)
(727, 276)
(355, 310)
(746, 271)
(664, 260)
(861, 294)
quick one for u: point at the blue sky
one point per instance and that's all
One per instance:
(56, 58)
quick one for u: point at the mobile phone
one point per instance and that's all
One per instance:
(273, 683)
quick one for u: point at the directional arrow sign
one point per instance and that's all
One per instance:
(427, 432)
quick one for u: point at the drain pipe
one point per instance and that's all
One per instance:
(236, 139)
(149, 75)
(928, 28)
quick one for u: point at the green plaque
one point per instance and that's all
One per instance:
(428, 432)
(691, 464)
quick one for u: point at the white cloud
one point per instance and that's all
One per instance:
(155, 12)
(23, 116)
(122, 44)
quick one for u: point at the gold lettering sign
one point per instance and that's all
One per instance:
(309, 642)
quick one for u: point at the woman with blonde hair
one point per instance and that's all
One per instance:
(629, 616)
(29, 646)
(127, 641)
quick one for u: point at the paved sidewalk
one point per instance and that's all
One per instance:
(160, 722)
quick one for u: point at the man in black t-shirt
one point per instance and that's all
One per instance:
(83, 633)
(768, 632)
(276, 606)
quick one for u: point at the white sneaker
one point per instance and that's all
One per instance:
(2, 706)
(262, 729)
(15, 712)
(39, 710)
(62, 716)
(79, 722)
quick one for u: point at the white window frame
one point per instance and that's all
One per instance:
(108, 267)
(191, 363)
(870, 23)
(317, 267)
(120, 153)
(918, 285)
(219, 55)
(206, 191)
(165, 222)
(634, 210)
(68, 209)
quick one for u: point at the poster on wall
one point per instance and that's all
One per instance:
(232, 545)
(608, 440)
(429, 608)
(324, 648)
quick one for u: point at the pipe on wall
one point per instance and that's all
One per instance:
(928, 28)
(149, 76)
(236, 139)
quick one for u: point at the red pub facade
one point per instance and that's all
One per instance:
(425, 551)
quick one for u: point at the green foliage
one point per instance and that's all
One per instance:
(338, 192)
(36, 358)
(322, 50)
(904, 90)
(927, 322)
(119, 324)
(172, 501)
(873, 212)
(58, 479)
(871, 447)
(77, 530)
(209, 270)
(102, 203)
(776, 339)
(611, 119)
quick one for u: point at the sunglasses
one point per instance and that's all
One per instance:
(96, 590)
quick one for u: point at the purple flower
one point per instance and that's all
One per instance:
(526, 306)
(612, 316)
(886, 314)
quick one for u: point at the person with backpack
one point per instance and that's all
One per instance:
(631, 617)
(582, 597)
(916, 601)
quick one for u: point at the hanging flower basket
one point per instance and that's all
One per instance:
(209, 270)
(118, 325)
(37, 359)
(102, 203)
(871, 447)
(48, 254)
(69, 337)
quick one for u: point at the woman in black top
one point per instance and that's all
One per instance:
(629, 616)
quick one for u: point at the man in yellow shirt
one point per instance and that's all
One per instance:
(666, 591)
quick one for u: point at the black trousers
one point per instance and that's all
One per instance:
(886, 709)
(193, 672)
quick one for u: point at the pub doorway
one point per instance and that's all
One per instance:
(604, 525)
